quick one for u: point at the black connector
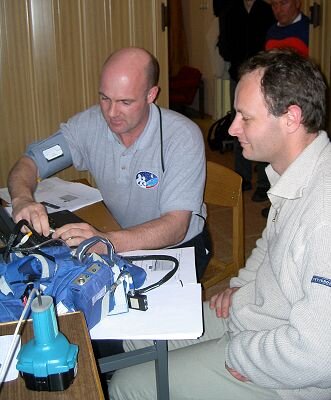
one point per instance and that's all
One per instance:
(137, 301)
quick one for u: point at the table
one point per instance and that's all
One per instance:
(87, 380)
(184, 322)
(162, 321)
(98, 216)
(73, 326)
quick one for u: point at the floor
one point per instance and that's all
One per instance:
(220, 221)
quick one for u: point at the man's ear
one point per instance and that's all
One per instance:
(293, 118)
(152, 94)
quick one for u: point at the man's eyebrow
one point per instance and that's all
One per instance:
(118, 100)
(102, 94)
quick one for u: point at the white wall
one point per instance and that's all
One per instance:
(201, 28)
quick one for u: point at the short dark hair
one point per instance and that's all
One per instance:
(290, 79)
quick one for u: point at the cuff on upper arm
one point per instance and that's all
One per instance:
(50, 155)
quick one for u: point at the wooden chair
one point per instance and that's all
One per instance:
(223, 188)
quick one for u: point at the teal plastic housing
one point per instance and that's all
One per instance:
(49, 352)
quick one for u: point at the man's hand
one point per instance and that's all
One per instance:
(221, 302)
(35, 213)
(236, 374)
(22, 183)
(74, 234)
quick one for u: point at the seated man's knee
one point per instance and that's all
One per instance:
(134, 383)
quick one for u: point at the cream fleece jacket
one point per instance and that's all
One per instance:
(280, 318)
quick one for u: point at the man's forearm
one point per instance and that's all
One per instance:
(165, 231)
(22, 179)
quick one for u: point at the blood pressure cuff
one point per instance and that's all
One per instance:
(51, 155)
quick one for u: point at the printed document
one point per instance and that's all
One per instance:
(57, 194)
(174, 309)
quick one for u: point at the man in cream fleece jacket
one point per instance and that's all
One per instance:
(268, 336)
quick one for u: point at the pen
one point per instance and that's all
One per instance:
(45, 203)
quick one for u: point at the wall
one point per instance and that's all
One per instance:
(51, 53)
(202, 31)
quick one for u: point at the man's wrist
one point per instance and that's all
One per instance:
(21, 199)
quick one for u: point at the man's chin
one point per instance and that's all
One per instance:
(248, 155)
(116, 128)
(251, 157)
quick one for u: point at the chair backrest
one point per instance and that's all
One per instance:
(187, 73)
(184, 86)
(223, 188)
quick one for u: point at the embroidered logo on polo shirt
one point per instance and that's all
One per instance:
(146, 180)
(321, 281)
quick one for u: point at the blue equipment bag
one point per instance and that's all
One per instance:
(77, 280)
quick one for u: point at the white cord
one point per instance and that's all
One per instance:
(24, 239)
(13, 344)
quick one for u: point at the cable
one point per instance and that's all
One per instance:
(12, 247)
(37, 246)
(166, 277)
(13, 344)
(121, 277)
(24, 239)
(36, 249)
(13, 237)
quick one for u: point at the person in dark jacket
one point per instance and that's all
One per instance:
(243, 28)
(291, 29)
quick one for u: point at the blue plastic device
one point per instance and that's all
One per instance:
(48, 362)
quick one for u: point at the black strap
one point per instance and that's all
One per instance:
(161, 138)
(17, 235)
(14, 237)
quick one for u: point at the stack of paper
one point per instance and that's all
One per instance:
(57, 194)
(174, 308)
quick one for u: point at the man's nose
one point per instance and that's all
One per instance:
(235, 129)
(112, 110)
